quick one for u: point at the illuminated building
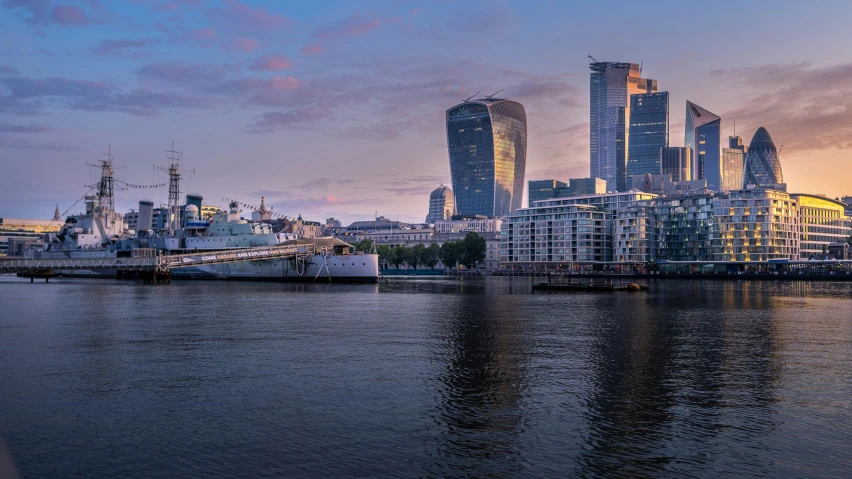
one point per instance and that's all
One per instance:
(440, 205)
(487, 142)
(757, 224)
(823, 222)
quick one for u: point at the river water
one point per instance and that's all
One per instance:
(430, 377)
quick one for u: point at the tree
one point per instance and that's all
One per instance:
(364, 245)
(385, 253)
(418, 255)
(450, 253)
(399, 255)
(472, 250)
(432, 255)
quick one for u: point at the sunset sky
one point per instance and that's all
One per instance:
(337, 108)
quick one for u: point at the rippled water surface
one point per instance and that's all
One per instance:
(425, 378)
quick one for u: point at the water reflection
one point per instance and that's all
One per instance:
(668, 377)
(481, 388)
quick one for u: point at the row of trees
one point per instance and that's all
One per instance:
(468, 252)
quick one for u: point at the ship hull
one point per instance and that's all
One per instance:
(343, 268)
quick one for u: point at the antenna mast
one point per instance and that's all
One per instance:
(106, 197)
(174, 171)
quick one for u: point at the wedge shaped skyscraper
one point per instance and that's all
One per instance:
(487, 141)
(703, 134)
(762, 166)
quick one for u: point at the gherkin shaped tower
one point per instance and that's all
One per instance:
(762, 166)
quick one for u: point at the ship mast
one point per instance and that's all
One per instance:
(174, 171)
(106, 197)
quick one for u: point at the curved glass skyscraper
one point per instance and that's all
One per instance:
(703, 134)
(762, 166)
(487, 141)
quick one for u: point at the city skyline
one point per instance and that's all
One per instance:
(270, 100)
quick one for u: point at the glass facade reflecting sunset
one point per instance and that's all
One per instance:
(487, 141)
(610, 86)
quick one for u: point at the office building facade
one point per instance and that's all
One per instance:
(544, 190)
(677, 162)
(823, 222)
(487, 142)
(440, 205)
(703, 133)
(610, 86)
(762, 166)
(649, 132)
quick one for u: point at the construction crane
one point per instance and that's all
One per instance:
(593, 59)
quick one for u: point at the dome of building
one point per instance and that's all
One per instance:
(191, 209)
(762, 165)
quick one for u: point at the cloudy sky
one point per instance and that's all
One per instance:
(336, 108)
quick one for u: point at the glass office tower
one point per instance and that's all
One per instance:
(610, 87)
(649, 132)
(487, 142)
(703, 134)
(676, 161)
(762, 166)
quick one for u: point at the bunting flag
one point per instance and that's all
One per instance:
(255, 208)
(140, 187)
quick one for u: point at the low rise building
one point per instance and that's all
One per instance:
(477, 225)
(23, 232)
(823, 221)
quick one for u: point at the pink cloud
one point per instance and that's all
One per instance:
(284, 83)
(68, 15)
(271, 63)
(243, 44)
(311, 49)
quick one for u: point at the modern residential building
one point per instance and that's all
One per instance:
(555, 232)
(610, 86)
(634, 233)
(703, 134)
(684, 227)
(823, 222)
(440, 205)
(677, 162)
(649, 132)
(610, 203)
(756, 224)
(544, 190)
(673, 228)
(762, 166)
(487, 143)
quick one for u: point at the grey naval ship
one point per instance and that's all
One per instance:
(102, 233)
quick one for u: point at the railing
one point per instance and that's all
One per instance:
(156, 263)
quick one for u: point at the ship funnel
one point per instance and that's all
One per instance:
(146, 215)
